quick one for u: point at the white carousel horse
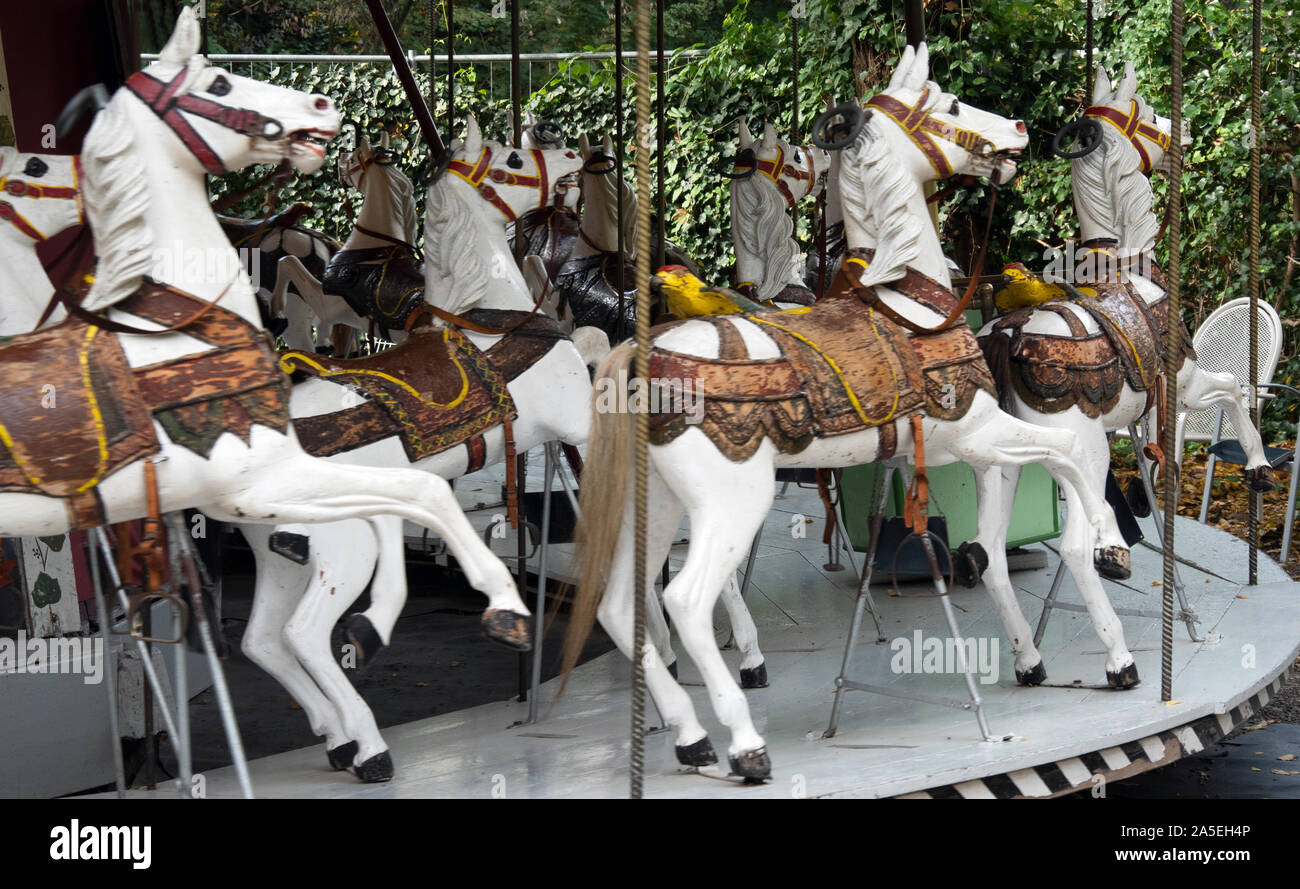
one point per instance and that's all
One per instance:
(728, 499)
(388, 218)
(769, 265)
(469, 269)
(1113, 197)
(145, 158)
(40, 196)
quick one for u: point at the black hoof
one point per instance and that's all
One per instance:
(699, 754)
(341, 756)
(1136, 495)
(1260, 479)
(1125, 678)
(672, 671)
(294, 547)
(508, 628)
(377, 769)
(754, 766)
(1035, 675)
(755, 678)
(970, 561)
(364, 638)
(1113, 562)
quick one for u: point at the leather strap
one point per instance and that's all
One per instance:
(1132, 126)
(475, 173)
(512, 478)
(918, 496)
(921, 127)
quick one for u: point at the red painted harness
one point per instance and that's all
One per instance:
(1132, 126)
(476, 172)
(35, 191)
(775, 169)
(921, 127)
(167, 101)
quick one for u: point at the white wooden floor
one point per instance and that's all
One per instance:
(1057, 738)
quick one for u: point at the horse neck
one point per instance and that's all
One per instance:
(834, 206)
(191, 252)
(1094, 222)
(930, 260)
(752, 267)
(379, 213)
(506, 288)
(599, 223)
(25, 287)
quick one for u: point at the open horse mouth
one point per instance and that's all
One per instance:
(1004, 163)
(312, 139)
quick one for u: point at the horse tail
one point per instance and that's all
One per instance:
(609, 459)
(592, 344)
(997, 352)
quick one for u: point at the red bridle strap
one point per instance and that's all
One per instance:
(20, 188)
(167, 101)
(921, 127)
(1133, 127)
(482, 169)
(776, 169)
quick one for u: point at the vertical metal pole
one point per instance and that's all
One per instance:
(539, 609)
(521, 553)
(620, 327)
(1087, 64)
(516, 108)
(1173, 343)
(914, 19)
(1253, 280)
(110, 667)
(182, 685)
(451, 68)
(642, 372)
(661, 135)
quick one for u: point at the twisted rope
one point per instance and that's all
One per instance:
(1173, 346)
(1252, 285)
(642, 371)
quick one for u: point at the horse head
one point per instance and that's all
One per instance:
(1147, 133)
(40, 195)
(220, 121)
(936, 134)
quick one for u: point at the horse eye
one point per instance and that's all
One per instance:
(36, 168)
(219, 86)
(953, 110)
(514, 161)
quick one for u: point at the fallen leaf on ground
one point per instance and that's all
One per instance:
(1256, 727)
(1286, 757)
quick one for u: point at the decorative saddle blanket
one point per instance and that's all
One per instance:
(1052, 373)
(843, 368)
(381, 283)
(73, 412)
(435, 391)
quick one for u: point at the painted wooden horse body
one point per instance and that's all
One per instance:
(145, 158)
(469, 270)
(727, 498)
(1109, 337)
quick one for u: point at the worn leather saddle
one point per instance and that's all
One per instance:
(384, 284)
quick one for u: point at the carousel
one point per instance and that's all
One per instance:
(984, 615)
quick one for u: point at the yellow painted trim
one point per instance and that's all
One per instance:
(288, 365)
(101, 434)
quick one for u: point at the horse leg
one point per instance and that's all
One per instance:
(343, 558)
(997, 492)
(300, 488)
(299, 333)
(616, 614)
(371, 630)
(279, 587)
(753, 669)
(722, 529)
(1202, 390)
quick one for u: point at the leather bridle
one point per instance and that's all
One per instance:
(481, 169)
(1133, 128)
(922, 127)
(167, 101)
(21, 188)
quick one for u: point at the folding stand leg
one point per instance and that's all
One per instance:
(976, 703)
(180, 680)
(1187, 613)
(539, 608)
(198, 612)
(1049, 603)
(110, 672)
(864, 601)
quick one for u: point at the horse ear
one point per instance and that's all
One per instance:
(900, 73)
(607, 145)
(184, 42)
(746, 139)
(919, 73)
(473, 137)
(1101, 88)
(769, 136)
(584, 146)
(384, 140)
(1128, 86)
(363, 146)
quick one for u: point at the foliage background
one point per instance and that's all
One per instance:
(1022, 58)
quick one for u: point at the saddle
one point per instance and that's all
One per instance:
(1052, 373)
(385, 283)
(434, 391)
(589, 287)
(843, 368)
(74, 412)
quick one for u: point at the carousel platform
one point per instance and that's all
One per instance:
(1052, 740)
